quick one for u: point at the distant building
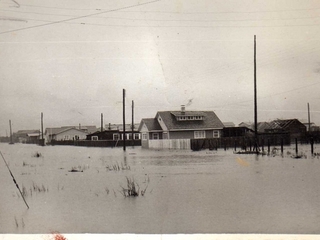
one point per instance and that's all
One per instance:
(228, 124)
(27, 136)
(294, 127)
(113, 135)
(313, 126)
(68, 133)
(237, 132)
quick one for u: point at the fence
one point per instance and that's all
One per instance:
(170, 144)
(240, 142)
(99, 143)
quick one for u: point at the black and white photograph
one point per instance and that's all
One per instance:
(159, 119)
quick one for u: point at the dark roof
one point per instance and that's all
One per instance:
(27, 131)
(151, 123)
(283, 124)
(210, 120)
(98, 133)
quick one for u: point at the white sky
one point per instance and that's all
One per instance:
(71, 59)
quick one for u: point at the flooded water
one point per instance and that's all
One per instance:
(185, 191)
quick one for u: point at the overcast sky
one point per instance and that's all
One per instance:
(71, 59)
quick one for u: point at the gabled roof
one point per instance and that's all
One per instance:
(151, 123)
(210, 120)
(67, 129)
(87, 129)
(283, 124)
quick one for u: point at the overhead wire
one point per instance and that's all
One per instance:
(79, 17)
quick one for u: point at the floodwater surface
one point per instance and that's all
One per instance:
(80, 190)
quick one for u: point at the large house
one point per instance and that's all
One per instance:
(180, 125)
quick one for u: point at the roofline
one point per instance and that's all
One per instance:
(155, 131)
(68, 130)
(194, 129)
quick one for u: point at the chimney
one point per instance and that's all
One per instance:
(109, 126)
(183, 109)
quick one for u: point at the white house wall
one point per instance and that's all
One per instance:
(70, 135)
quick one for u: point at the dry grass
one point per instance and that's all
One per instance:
(133, 189)
(117, 167)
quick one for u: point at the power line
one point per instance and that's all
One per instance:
(227, 12)
(166, 20)
(84, 16)
(172, 12)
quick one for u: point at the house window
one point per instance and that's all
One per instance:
(94, 138)
(199, 134)
(116, 137)
(155, 135)
(216, 134)
(136, 136)
(144, 136)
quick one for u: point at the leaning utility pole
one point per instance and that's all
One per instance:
(124, 118)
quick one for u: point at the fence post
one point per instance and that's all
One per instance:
(268, 146)
(235, 145)
(296, 145)
(311, 141)
(281, 145)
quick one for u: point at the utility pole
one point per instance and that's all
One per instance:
(255, 90)
(11, 142)
(124, 118)
(132, 127)
(42, 140)
(101, 122)
(309, 123)
(256, 144)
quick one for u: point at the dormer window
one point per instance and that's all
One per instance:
(189, 118)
